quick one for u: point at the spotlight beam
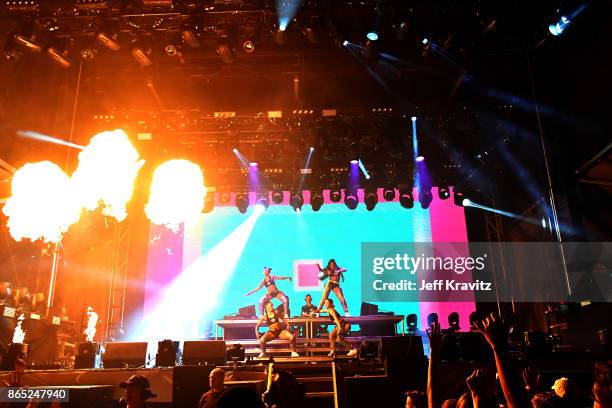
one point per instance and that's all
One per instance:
(306, 167)
(469, 203)
(363, 170)
(44, 138)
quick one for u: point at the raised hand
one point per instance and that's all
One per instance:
(435, 336)
(476, 382)
(493, 330)
(531, 379)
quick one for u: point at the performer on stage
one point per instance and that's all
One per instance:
(308, 308)
(275, 322)
(342, 329)
(335, 273)
(269, 281)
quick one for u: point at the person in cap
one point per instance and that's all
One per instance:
(137, 391)
(216, 380)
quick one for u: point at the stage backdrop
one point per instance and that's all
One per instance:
(203, 271)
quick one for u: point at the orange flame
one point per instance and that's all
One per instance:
(92, 321)
(42, 204)
(177, 193)
(107, 169)
(19, 334)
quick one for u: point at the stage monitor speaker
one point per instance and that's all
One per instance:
(378, 328)
(371, 391)
(368, 309)
(125, 354)
(86, 358)
(247, 311)
(189, 383)
(405, 362)
(204, 352)
(166, 353)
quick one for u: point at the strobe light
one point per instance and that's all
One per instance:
(425, 198)
(371, 199)
(297, 201)
(277, 197)
(389, 193)
(242, 202)
(351, 200)
(443, 192)
(316, 201)
(406, 198)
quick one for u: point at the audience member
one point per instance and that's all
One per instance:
(137, 391)
(216, 380)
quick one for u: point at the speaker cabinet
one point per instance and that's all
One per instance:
(189, 383)
(405, 362)
(125, 354)
(204, 352)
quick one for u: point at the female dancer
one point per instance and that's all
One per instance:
(275, 329)
(341, 330)
(269, 281)
(335, 273)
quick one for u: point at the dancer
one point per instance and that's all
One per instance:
(342, 329)
(274, 321)
(269, 281)
(334, 272)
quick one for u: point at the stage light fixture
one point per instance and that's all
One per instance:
(209, 203)
(277, 197)
(263, 200)
(171, 50)
(141, 54)
(248, 46)
(242, 202)
(458, 197)
(406, 198)
(425, 198)
(59, 57)
(190, 36)
(412, 322)
(88, 53)
(345, 43)
(372, 36)
(28, 43)
(297, 201)
(371, 199)
(466, 202)
(557, 29)
(224, 197)
(443, 193)
(225, 51)
(389, 193)
(316, 201)
(351, 200)
(420, 158)
(453, 322)
(109, 40)
(335, 196)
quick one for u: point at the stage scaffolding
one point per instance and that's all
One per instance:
(117, 282)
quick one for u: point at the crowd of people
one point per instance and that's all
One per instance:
(504, 385)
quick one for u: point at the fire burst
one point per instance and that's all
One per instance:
(42, 204)
(107, 169)
(177, 193)
(92, 321)
(19, 334)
